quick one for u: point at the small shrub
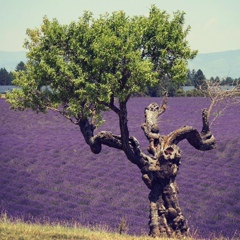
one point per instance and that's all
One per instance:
(180, 93)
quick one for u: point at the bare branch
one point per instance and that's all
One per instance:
(202, 141)
(220, 98)
(111, 105)
(111, 140)
(152, 112)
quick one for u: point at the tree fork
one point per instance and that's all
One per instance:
(166, 218)
(159, 170)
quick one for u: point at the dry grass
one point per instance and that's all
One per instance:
(18, 230)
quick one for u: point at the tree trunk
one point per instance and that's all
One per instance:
(159, 169)
(166, 218)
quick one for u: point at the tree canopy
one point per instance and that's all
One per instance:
(20, 67)
(87, 63)
(5, 77)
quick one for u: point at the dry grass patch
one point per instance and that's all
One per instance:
(18, 230)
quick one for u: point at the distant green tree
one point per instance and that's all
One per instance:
(229, 81)
(168, 86)
(188, 80)
(190, 77)
(11, 76)
(20, 67)
(153, 91)
(180, 93)
(5, 77)
(165, 85)
(171, 89)
(199, 80)
(217, 80)
(236, 82)
(194, 93)
(211, 79)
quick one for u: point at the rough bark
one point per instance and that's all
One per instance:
(160, 168)
(166, 217)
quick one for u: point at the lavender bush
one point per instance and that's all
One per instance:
(45, 171)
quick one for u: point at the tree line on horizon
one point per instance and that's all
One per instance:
(6, 77)
(194, 79)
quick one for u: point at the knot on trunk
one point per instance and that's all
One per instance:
(164, 168)
(172, 152)
(169, 162)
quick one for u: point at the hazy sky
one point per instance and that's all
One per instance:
(215, 24)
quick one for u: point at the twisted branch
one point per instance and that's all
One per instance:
(203, 140)
(150, 127)
(111, 140)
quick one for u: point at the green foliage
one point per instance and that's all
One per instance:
(194, 93)
(199, 80)
(190, 78)
(228, 81)
(5, 77)
(154, 91)
(83, 66)
(20, 66)
(180, 93)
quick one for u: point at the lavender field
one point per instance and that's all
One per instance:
(47, 171)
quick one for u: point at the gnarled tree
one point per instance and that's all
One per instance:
(93, 65)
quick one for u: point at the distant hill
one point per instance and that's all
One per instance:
(10, 60)
(221, 64)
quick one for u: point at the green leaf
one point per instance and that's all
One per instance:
(93, 60)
